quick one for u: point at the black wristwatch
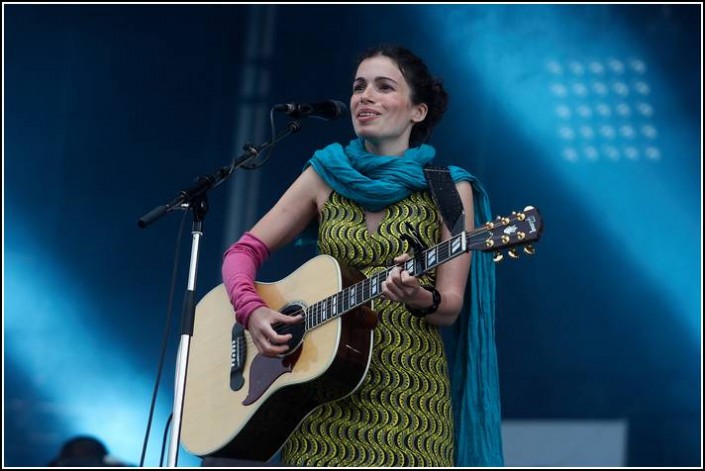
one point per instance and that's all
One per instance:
(427, 310)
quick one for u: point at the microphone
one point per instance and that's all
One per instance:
(326, 110)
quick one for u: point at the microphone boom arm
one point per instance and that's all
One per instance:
(204, 183)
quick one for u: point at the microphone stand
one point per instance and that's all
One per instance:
(196, 199)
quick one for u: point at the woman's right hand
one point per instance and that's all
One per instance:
(261, 327)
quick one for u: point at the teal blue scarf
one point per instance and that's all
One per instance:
(374, 182)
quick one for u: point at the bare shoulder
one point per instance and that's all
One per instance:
(319, 189)
(465, 192)
(464, 188)
(311, 177)
(294, 210)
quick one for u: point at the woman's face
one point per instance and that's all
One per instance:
(381, 107)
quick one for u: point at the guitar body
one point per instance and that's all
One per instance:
(250, 417)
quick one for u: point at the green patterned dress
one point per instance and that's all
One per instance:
(401, 414)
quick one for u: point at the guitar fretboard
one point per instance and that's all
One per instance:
(366, 290)
(518, 229)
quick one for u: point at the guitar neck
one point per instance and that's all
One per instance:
(366, 290)
(518, 229)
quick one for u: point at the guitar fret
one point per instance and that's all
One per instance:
(457, 243)
(431, 257)
(410, 266)
(444, 252)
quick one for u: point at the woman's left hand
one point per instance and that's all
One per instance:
(401, 287)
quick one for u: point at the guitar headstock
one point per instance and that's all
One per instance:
(509, 232)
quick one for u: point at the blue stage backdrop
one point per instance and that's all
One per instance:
(591, 113)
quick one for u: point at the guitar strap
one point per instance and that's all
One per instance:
(446, 197)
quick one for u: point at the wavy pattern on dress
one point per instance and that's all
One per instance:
(401, 414)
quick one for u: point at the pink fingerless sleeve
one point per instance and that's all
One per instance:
(240, 264)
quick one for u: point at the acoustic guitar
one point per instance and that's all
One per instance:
(241, 404)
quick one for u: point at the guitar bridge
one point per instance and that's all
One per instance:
(238, 354)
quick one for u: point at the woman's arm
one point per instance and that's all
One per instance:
(293, 212)
(288, 217)
(451, 277)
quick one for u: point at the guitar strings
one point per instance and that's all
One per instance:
(475, 236)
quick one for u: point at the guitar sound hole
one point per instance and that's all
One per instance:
(297, 330)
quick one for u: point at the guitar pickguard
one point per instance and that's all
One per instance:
(265, 370)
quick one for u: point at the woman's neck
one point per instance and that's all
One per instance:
(386, 148)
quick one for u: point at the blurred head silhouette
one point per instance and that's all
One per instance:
(84, 451)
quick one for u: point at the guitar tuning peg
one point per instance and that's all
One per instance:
(513, 254)
(497, 257)
(529, 250)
